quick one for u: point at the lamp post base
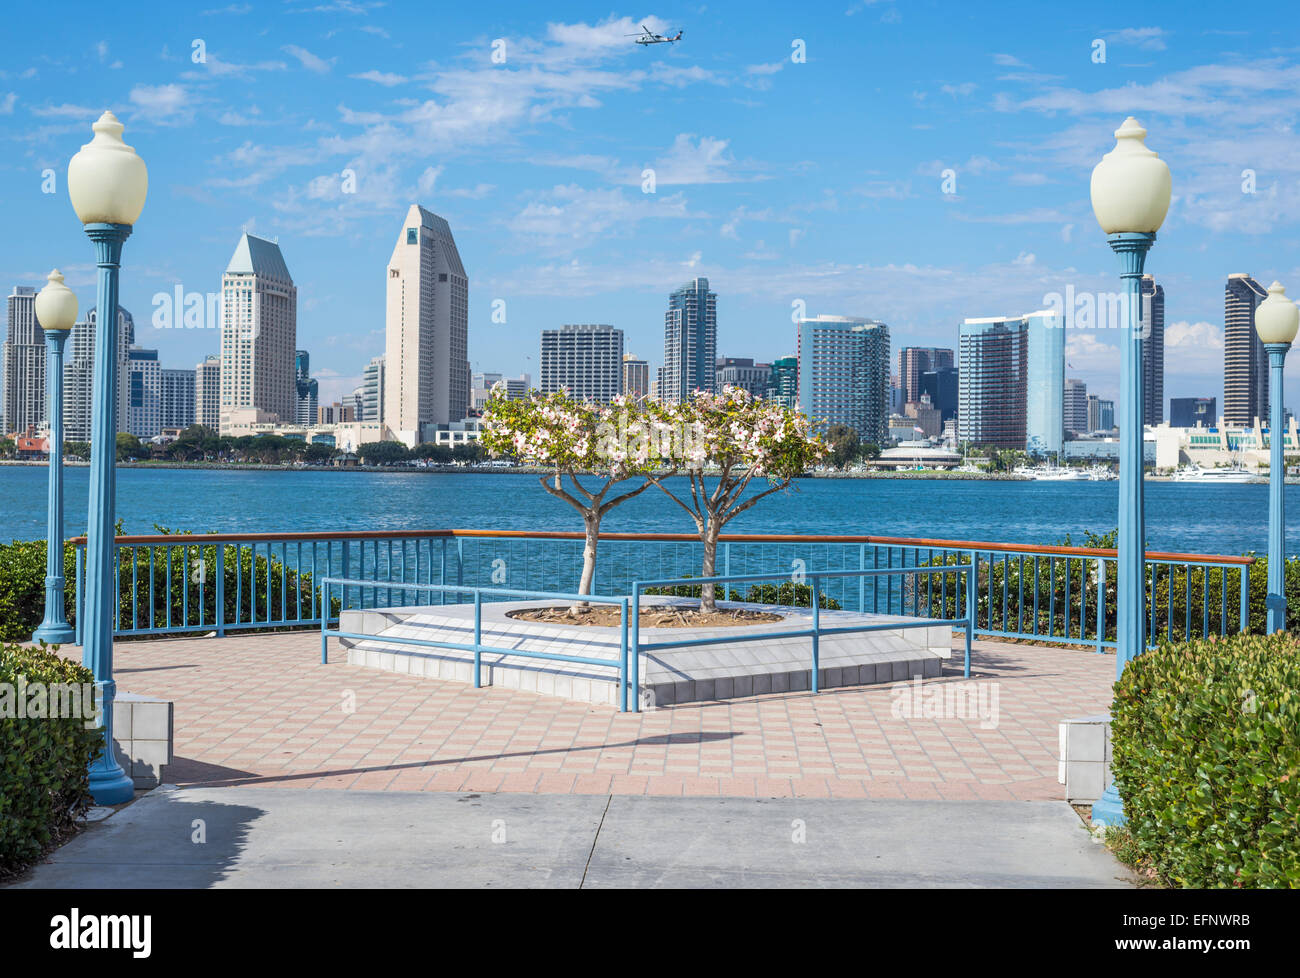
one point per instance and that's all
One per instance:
(1108, 810)
(55, 634)
(110, 786)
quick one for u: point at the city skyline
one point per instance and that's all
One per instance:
(547, 197)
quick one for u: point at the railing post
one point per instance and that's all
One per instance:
(972, 606)
(1101, 605)
(816, 635)
(220, 615)
(622, 660)
(478, 639)
(1244, 612)
(634, 663)
(324, 623)
(343, 594)
(80, 591)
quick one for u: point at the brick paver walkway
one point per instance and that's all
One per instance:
(262, 710)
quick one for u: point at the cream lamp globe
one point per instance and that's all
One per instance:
(56, 304)
(1277, 317)
(1131, 185)
(107, 181)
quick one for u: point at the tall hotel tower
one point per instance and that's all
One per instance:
(259, 331)
(690, 342)
(22, 365)
(426, 345)
(1153, 351)
(843, 374)
(1245, 364)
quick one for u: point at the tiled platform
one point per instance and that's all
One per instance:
(705, 672)
(262, 710)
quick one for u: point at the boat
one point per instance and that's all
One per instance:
(1236, 475)
(1052, 473)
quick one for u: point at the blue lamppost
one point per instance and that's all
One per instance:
(56, 311)
(1130, 197)
(1276, 320)
(108, 183)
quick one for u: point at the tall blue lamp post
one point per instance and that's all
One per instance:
(108, 183)
(1130, 197)
(1276, 320)
(56, 311)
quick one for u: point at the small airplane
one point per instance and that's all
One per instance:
(648, 37)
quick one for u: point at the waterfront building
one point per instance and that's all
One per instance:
(783, 382)
(1188, 412)
(358, 401)
(636, 377)
(336, 413)
(207, 392)
(144, 392)
(1045, 383)
(372, 390)
(1245, 363)
(259, 331)
(927, 417)
(176, 398)
(913, 361)
(690, 341)
(742, 372)
(993, 374)
(22, 365)
(1101, 414)
(426, 329)
(79, 373)
(1076, 405)
(481, 386)
(306, 388)
(586, 360)
(843, 374)
(942, 386)
(1153, 351)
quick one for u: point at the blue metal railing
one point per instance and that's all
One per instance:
(477, 647)
(177, 584)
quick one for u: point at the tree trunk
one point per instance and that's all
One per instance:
(588, 560)
(707, 597)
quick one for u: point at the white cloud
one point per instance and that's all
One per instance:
(1147, 38)
(7, 103)
(385, 78)
(695, 160)
(570, 217)
(162, 103)
(308, 60)
(1194, 348)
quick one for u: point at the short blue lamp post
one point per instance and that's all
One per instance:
(1130, 197)
(56, 311)
(108, 183)
(1276, 320)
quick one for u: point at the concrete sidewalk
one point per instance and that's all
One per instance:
(293, 837)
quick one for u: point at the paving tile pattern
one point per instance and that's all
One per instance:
(262, 710)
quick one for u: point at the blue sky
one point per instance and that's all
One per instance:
(818, 180)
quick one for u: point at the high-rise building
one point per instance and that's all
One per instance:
(372, 391)
(1188, 412)
(1245, 363)
(259, 331)
(1012, 382)
(481, 388)
(913, 361)
(336, 413)
(306, 388)
(426, 345)
(993, 374)
(783, 382)
(144, 392)
(844, 374)
(1101, 414)
(1076, 405)
(207, 392)
(176, 389)
(942, 386)
(1045, 383)
(79, 373)
(586, 360)
(1153, 351)
(22, 365)
(690, 341)
(742, 372)
(636, 377)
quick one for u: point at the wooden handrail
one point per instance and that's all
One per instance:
(199, 539)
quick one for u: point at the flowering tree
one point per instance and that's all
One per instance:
(604, 444)
(743, 439)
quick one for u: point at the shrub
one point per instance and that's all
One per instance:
(788, 593)
(44, 785)
(22, 587)
(1206, 745)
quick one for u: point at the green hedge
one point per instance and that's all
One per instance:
(1206, 748)
(22, 587)
(44, 786)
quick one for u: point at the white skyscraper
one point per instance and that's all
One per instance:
(426, 362)
(22, 365)
(587, 361)
(259, 331)
(143, 381)
(207, 392)
(79, 372)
